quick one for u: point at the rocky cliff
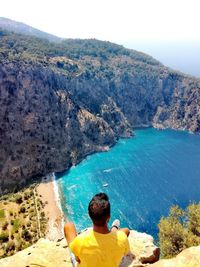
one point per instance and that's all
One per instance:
(42, 129)
(61, 102)
(143, 253)
(47, 253)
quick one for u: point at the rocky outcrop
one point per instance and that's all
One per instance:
(44, 253)
(189, 257)
(182, 110)
(47, 253)
(143, 253)
(142, 250)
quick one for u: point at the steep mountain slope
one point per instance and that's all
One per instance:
(60, 102)
(19, 27)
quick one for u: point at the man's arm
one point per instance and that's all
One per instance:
(70, 232)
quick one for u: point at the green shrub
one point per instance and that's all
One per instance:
(31, 193)
(16, 224)
(4, 237)
(26, 235)
(4, 197)
(26, 195)
(193, 214)
(5, 225)
(42, 214)
(32, 209)
(10, 246)
(11, 213)
(22, 209)
(19, 245)
(181, 229)
(18, 199)
(2, 214)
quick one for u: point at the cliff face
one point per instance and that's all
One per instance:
(42, 129)
(182, 109)
(59, 103)
(149, 95)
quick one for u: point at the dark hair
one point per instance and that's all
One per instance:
(99, 209)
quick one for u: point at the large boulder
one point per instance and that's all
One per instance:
(142, 250)
(189, 257)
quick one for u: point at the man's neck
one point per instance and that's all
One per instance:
(101, 229)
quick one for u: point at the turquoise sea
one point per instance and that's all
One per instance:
(144, 175)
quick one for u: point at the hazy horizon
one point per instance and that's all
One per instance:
(180, 56)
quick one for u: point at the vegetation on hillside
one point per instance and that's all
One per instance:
(75, 49)
(22, 220)
(180, 230)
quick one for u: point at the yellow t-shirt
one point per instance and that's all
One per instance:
(100, 250)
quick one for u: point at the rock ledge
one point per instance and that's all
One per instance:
(46, 253)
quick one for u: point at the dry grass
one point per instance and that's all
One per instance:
(22, 221)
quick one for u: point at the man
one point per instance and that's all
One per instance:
(99, 247)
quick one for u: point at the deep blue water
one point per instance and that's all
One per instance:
(145, 175)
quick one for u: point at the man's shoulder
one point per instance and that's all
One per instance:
(84, 234)
(121, 235)
(88, 234)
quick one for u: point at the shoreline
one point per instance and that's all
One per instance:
(48, 190)
(58, 201)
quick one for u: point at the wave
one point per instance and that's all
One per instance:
(107, 170)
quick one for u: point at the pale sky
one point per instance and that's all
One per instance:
(114, 20)
(134, 23)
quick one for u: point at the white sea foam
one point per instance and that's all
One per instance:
(57, 198)
(107, 170)
(71, 187)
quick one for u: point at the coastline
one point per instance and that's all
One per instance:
(48, 190)
(58, 201)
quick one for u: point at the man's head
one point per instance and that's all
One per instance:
(99, 209)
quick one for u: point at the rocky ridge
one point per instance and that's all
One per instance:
(22, 28)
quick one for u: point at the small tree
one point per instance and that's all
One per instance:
(26, 235)
(4, 226)
(171, 233)
(18, 199)
(22, 209)
(181, 229)
(193, 213)
(10, 246)
(4, 237)
(193, 225)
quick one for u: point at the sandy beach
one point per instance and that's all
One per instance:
(46, 189)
